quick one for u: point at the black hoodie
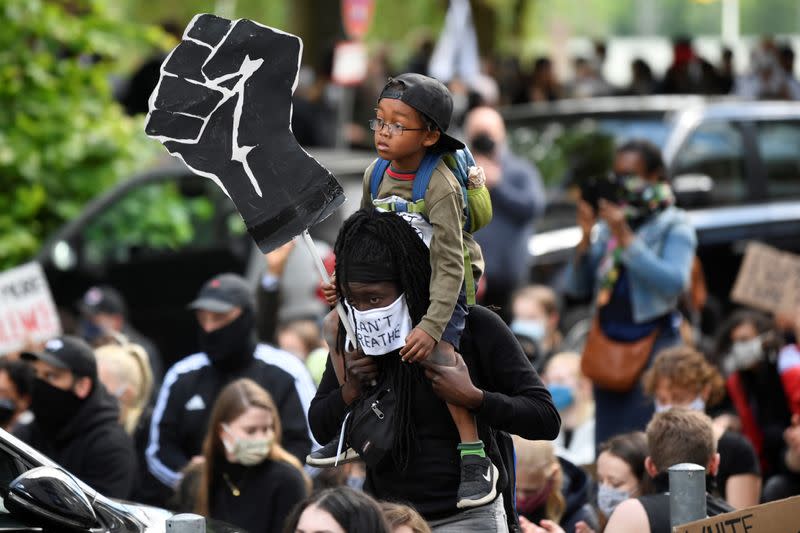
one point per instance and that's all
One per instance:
(92, 445)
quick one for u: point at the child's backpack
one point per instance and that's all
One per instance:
(477, 202)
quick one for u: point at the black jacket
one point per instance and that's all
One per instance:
(184, 404)
(515, 401)
(92, 445)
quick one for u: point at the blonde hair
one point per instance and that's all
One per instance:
(540, 454)
(232, 401)
(541, 294)
(402, 515)
(130, 365)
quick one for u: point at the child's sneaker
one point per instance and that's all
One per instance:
(478, 482)
(326, 457)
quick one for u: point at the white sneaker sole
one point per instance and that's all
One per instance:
(347, 456)
(467, 504)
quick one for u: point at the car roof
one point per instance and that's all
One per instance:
(745, 110)
(602, 105)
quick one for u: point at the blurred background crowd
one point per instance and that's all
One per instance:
(694, 94)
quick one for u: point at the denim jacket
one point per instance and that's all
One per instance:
(658, 262)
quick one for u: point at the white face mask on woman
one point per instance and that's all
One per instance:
(247, 451)
(381, 330)
(608, 498)
(744, 355)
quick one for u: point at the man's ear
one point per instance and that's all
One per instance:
(650, 467)
(431, 138)
(553, 320)
(713, 464)
(83, 387)
(24, 403)
(705, 392)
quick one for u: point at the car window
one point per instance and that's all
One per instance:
(715, 149)
(554, 145)
(779, 146)
(162, 218)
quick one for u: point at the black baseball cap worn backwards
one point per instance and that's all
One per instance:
(68, 353)
(430, 97)
(222, 293)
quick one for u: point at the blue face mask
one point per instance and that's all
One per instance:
(533, 329)
(563, 396)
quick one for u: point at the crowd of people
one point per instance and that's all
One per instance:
(405, 423)
(505, 81)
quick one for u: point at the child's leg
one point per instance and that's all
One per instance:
(445, 354)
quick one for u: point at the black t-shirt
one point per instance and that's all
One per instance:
(737, 457)
(515, 401)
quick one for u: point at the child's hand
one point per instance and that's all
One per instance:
(329, 291)
(419, 346)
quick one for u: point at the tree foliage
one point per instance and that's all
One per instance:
(63, 139)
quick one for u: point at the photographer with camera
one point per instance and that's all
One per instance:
(636, 267)
(518, 198)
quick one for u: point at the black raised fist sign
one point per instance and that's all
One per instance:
(223, 105)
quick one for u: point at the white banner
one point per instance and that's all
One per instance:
(27, 311)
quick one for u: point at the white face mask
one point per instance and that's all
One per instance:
(744, 355)
(698, 404)
(532, 329)
(381, 330)
(608, 498)
(247, 452)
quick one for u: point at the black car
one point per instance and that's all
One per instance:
(158, 236)
(38, 495)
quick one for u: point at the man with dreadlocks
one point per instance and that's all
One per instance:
(382, 264)
(412, 115)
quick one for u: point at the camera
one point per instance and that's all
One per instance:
(608, 187)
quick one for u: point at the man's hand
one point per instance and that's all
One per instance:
(586, 220)
(453, 384)
(223, 105)
(329, 291)
(276, 259)
(361, 370)
(419, 346)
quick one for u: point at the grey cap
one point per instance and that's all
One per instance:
(222, 293)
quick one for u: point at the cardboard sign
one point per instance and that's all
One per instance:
(223, 105)
(27, 311)
(782, 516)
(357, 17)
(768, 279)
(349, 63)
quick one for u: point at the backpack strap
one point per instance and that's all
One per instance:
(377, 176)
(423, 177)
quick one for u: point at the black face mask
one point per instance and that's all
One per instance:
(53, 407)
(8, 408)
(483, 144)
(230, 346)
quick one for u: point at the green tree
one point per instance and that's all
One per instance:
(63, 139)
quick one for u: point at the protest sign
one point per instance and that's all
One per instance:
(223, 105)
(782, 516)
(27, 312)
(769, 279)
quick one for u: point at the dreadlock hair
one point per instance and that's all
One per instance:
(372, 237)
